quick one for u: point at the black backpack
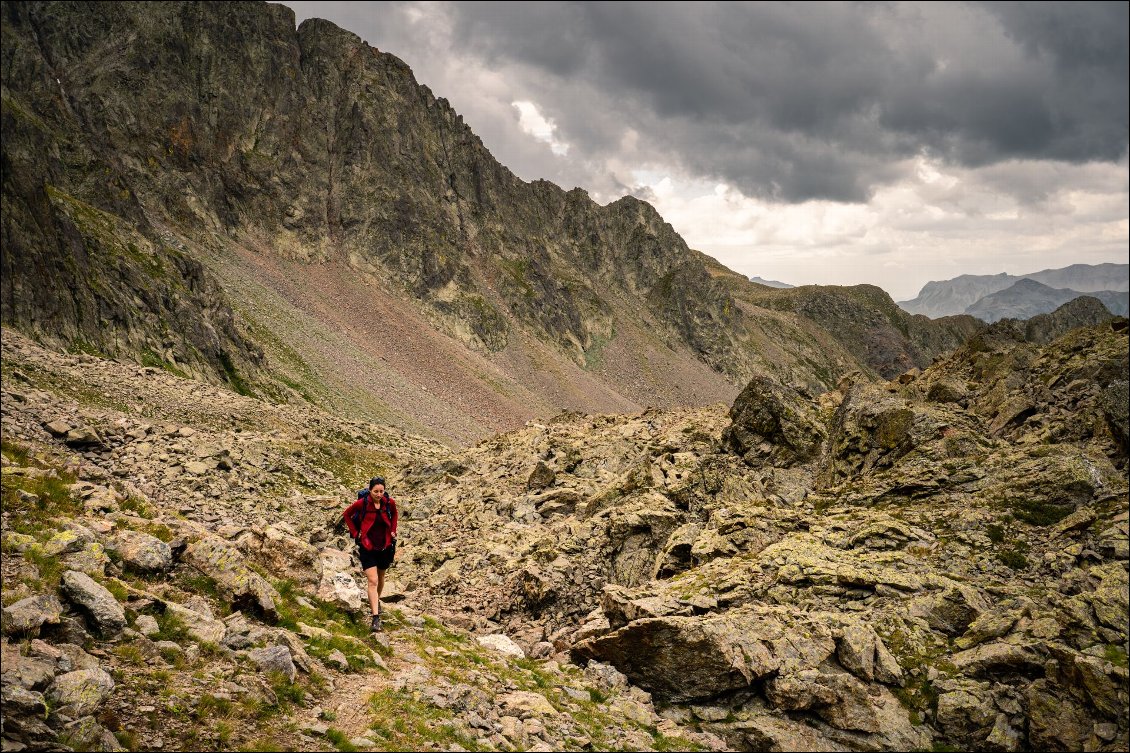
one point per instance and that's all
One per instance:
(359, 515)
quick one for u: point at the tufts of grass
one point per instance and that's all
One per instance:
(340, 740)
(405, 723)
(138, 507)
(1013, 556)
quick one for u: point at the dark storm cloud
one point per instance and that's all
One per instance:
(790, 102)
(817, 101)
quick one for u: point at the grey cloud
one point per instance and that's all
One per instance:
(786, 101)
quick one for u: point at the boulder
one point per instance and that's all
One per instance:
(87, 734)
(283, 554)
(337, 584)
(274, 659)
(863, 653)
(771, 423)
(81, 692)
(952, 610)
(101, 607)
(143, 552)
(200, 626)
(541, 477)
(966, 714)
(772, 732)
(246, 589)
(29, 614)
(502, 644)
(685, 658)
(1055, 722)
(25, 671)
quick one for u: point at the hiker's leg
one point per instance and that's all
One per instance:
(375, 583)
(380, 588)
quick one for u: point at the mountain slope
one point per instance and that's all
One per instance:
(204, 188)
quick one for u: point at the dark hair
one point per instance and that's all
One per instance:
(376, 480)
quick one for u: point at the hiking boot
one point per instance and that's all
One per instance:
(375, 627)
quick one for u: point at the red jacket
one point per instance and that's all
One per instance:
(378, 526)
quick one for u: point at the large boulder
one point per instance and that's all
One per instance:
(283, 553)
(274, 659)
(686, 658)
(771, 423)
(143, 552)
(337, 584)
(247, 590)
(101, 607)
(81, 692)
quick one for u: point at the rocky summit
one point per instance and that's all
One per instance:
(646, 503)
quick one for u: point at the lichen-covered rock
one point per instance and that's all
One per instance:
(30, 614)
(772, 423)
(103, 609)
(143, 552)
(246, 589)
(200, 626)
(82, 691)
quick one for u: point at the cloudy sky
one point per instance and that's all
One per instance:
(834, 143)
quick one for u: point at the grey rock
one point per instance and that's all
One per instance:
(100, 605)
(82, 691)
(143, 552)
(274, 659)
(29, 614)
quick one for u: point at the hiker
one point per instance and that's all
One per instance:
(372, 523)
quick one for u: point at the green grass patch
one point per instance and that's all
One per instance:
(1115, 654)
(1013, 556)
(137, 507)
(405, 723)
(340, 740)
(171, 628)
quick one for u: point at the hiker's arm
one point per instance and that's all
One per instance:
(348, 515)
(395, 516)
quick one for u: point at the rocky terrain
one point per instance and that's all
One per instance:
(206, 189)
(173, 579)
(935, 561)
(973, 294)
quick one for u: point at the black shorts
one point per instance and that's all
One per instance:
(380, 559)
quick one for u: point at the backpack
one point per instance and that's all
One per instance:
(359, 515)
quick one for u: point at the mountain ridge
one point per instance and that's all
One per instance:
(957, 295)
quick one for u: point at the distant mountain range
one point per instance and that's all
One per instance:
(771, 283)
(977, 295)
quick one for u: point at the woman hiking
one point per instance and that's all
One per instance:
(372, 523)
